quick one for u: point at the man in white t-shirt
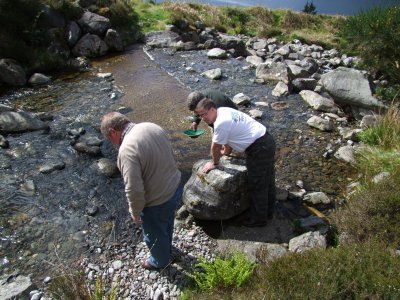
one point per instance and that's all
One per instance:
(235, 130)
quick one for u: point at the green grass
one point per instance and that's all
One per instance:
(386, 134)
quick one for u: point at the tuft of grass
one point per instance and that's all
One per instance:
(73, 285)
(386, 134)
(69, 286)
(232, 272)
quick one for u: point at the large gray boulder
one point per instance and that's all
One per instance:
(161, 39)
(90, 45)
(94, 23)
(11, 72)
(113, 40)
(74, 33)
(218, 195)
(236, 45)
(349, 87)
(273, 72)
(20, 121)
(318, 102)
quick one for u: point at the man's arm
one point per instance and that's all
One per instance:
(134, 186)
(215, 156)
(195, 123)
(226, 150)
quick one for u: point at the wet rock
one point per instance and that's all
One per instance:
(369, 121)
(346, 154)
(104, 75)
(255, 113)
(108, 167)
(92, 210)
(297, 72)
(300, 84)
(254, 60)
(4, 108)
(213, 74)
(241, 99)
(94, 23)
(3, 142)
(39, 79)
(219, 194)
(20, 121)
(51, 166)
(279, 105)
(15, 287)
(234, 44)
(89, 144)
(318, 102)
(273, 72)
(113, 40)
(349, 133)
(73, 32)
(217, 53)
(90, 45)
(28, 187)
(281, 89)
(161, 39)
(11, 72)
(80, 64)
(320, 123)
(317, 198)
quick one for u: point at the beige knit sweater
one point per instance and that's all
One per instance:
(147, 164)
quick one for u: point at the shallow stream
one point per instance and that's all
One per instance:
(44, 219)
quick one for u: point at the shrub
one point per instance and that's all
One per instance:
(310, 8)
(374, 36)
(221, 273)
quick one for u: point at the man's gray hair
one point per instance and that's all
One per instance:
(193, 99)
(113, 120)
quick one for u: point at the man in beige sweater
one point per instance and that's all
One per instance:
(152, 181)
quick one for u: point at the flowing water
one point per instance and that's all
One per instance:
(44, 219)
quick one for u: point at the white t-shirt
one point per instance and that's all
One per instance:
(236, 129)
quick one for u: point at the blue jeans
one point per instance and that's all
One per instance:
(158, 227)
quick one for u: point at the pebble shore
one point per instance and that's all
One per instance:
(119, 265)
